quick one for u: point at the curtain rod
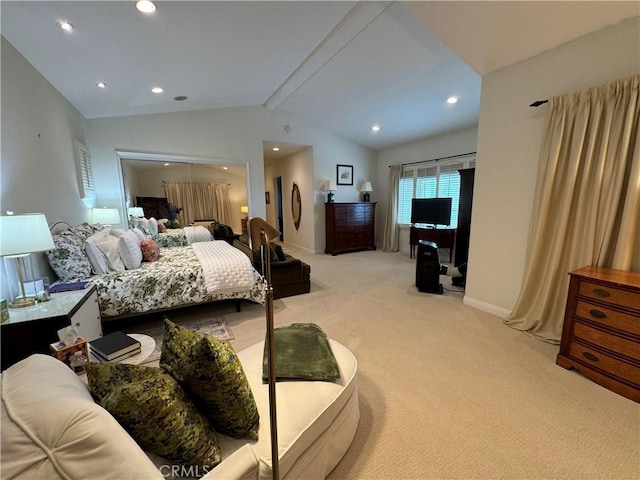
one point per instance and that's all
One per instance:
(537, 103)
(438, 159)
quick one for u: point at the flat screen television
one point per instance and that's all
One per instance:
(434, 211)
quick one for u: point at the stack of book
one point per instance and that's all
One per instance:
(114, 347)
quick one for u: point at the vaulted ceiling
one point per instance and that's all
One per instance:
(345, 66)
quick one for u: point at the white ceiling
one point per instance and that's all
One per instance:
(342, 65)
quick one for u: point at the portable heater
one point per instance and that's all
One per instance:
(428, 268)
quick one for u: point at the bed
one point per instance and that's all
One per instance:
(187, 275)
(181, 237)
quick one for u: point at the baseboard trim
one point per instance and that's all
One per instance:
(486, 307)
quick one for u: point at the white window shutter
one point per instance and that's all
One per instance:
(85, 174)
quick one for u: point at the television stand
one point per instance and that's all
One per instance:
(443, 237)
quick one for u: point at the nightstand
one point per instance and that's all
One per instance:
(32, 329)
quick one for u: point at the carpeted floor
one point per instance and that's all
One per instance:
(448, 391)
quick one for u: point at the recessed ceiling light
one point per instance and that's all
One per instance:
(66, 26)
(452, 100)
(375, 128)
(146, 6)
(167, 164)
(225, 168)
(157, 90)
(101, 85)
(276, 149)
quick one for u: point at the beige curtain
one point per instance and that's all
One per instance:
(586, 209)
(390, 242)
(199, 201)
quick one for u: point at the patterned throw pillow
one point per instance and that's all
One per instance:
(211, 373)
(68, 259)
(150, 250)
(150, 404)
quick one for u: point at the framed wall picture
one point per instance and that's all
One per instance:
(345, 175)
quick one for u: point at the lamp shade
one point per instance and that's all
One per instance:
(106, 216)
(22, 234)
(330, 185)
(366, 187)
(136, 211)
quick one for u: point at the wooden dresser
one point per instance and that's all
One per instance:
(350, 227)
(601, 332)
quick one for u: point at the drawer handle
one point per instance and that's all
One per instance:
(601, 292)
(597, 313)
(590, 356)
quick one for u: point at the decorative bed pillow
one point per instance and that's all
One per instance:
(110, 249)
(211, 373)
(141, 236)
(162, 228)
(129, 250)
(68, 259)
(150, 250)
(153, 226)
(302, 353)
(97, 259)
(150, 404)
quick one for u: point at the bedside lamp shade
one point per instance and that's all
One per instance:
(106, 216)
(136, 212)
(21, 235)
(24, 234)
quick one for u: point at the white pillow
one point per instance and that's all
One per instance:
(141, 236)
(143, 224)
(117, 232)
(97, 259)
(110, 249)
(129, 250)
(153, 226)
(163, 220)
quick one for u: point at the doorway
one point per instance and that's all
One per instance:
(279, 215)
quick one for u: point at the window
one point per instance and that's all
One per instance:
(85, 174)
(430, 180)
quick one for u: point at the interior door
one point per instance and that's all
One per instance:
(279, 215)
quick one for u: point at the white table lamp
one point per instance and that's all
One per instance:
(366, 188)
(135, 212)
(330, 187)
(21, 235)
(106, 216)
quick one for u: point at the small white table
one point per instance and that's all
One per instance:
(147, 344)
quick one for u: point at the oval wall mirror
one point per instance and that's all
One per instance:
(296, 205)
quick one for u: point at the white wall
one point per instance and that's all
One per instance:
(455, 143)
(37, 168)
(509, 138)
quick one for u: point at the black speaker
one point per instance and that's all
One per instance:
(428, 268)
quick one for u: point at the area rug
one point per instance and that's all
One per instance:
(215, 327)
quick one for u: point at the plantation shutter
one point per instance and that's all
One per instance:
(85, 174)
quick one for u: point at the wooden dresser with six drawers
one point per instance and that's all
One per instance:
(601, 332)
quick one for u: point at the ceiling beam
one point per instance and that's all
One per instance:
(354, 22)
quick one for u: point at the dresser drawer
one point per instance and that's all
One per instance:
(609, 294)
(606, 340)
(605, 362)
(610, 318)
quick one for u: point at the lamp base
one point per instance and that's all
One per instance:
(330, 197)
(22, 302)
(365, 197)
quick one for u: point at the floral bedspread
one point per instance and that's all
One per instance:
(174, 280)
(173, 237)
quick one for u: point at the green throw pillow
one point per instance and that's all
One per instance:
(302, 353)
(211, 373)
(150, 404)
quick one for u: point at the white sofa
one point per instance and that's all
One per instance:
(52, 428)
